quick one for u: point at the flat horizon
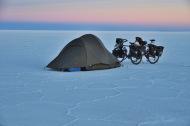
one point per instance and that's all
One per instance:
(88, 26)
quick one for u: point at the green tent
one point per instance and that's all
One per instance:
(87, 53)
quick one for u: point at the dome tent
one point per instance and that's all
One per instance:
(87, 53)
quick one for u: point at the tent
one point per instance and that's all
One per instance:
(85, 53)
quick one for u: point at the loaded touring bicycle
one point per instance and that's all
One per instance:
(137, 50)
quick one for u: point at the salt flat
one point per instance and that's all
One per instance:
(132, 95)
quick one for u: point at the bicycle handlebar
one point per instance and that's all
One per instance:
(131, 42)
(124, 40)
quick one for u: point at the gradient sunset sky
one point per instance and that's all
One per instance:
(135, 12)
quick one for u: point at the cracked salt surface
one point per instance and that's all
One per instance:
(143, 95)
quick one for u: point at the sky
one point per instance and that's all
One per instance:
(134, 12)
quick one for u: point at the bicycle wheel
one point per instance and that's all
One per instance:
(136, 57)
(123, 58)
(153, 59)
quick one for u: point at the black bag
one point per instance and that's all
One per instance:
(118, 53)
(159, 50)
(141, 42)
(119, 40)
(155, 50)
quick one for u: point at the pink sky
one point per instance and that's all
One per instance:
(143, 14)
